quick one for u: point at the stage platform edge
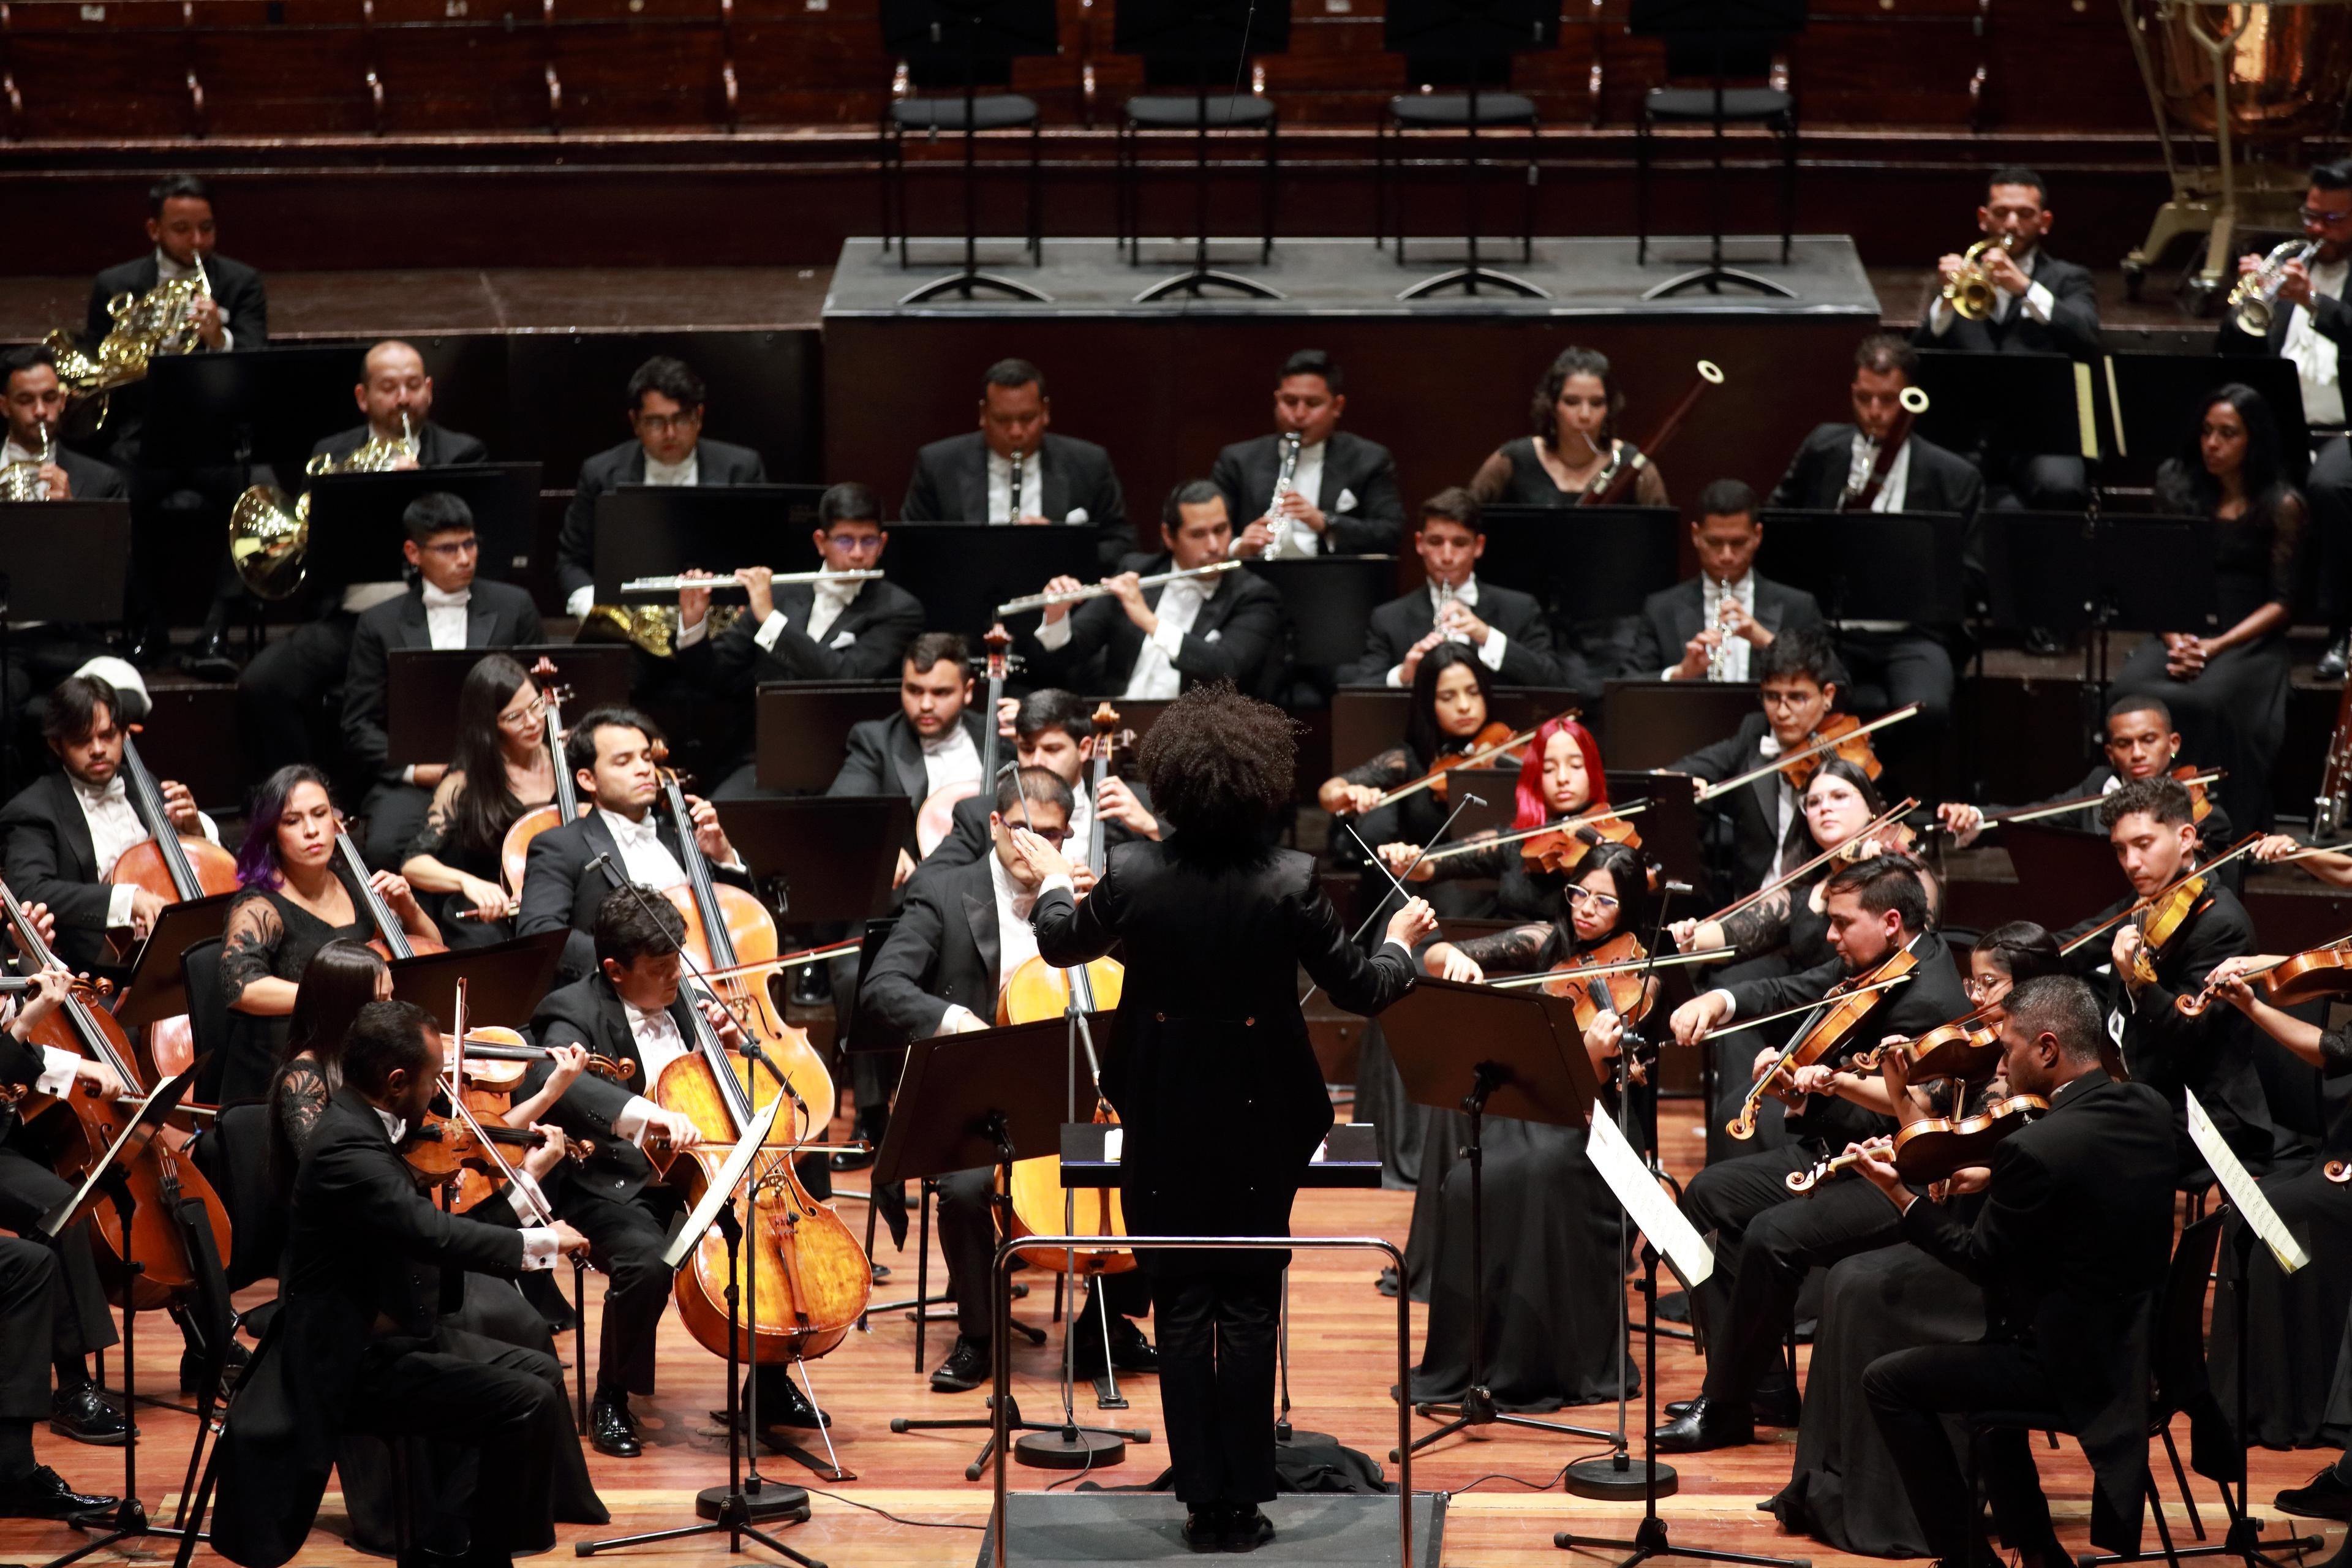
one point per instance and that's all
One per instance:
(1358, 1530)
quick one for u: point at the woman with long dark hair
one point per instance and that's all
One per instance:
(1453, 697)
(1574, 416)
(1560, 777)
(2227, 692)
(501, 771)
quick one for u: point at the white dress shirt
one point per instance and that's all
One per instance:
(539, 1248)
(2314, 354)
(951, 759)
(688, 472)
(167, 270)
(1016, 940)
(659, 1042)
(1736, 650)
(1787, 803)
(1490, 652)
(2037, 301)
(831, 600)
(1000, 507)
(114, 828)
(1155, 675)
(643, 856)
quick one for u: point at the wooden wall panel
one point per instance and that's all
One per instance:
(811, 62)
(283, 68)
(462, 65)
(647, 63)
(113, 70)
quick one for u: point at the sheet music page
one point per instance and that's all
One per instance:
(1652, 1212)
(2244, 1194)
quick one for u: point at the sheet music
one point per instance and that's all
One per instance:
(2244, 1195)
(1651, 1212)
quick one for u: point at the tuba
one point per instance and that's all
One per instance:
(21, 480)
(2254, 299)
(269, 531)
(1971, 292)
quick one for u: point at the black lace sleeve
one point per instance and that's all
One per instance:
(2335, 1053)
(1761, 927)
(302, 1096)
(250, 943)
(1487, 860)
(1521, 949)
(440, 829)
(2287, 520)
(1390, 769)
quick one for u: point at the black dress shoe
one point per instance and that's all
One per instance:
(82, 1415)
(1129, 1351)
(1204, 1528)
(191, 1367)
(851, 1159)
(783, 1405)
(2324, 1495)
(1247, 1529)
(1708, 1424)
(612, 1431)
(966, 1368)
(1779, 1406)
(45, 1495)
(1387, 1284)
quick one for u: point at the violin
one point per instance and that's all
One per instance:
(391, 938)
(1836, 1016)
(1963, 1048)
(514, 849)
(1879, 829)
(1626, 991)
(1934, 1148)
(1495, 744)
(176, 869)
(2170, 913)
(496, 1058)
(2304, 977)
(1560, 847)
(1839, 732)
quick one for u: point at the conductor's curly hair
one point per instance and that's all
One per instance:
(1219, 765)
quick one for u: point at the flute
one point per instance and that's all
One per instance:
(734, 579)
(1158, 580)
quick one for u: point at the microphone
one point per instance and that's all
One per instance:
(1679, 889)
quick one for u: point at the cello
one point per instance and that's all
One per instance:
(391, 938)
(177, 870)
(514, 850)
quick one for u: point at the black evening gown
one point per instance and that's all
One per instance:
(440, 838)
(269, 936)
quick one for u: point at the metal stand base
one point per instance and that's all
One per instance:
(1476, 1408)
(1468, 279)
(770, 1501)
(1200, 279)
(1614, 1480)
(964, 284)
(1650, 1540)
(1712, 279)
(1068, 1448)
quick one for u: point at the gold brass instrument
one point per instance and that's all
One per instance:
(146, 326)
(1971, 292)
(22, 480)
(2254, 302)
(1292, 443)
(270, 533)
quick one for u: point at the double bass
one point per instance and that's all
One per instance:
(178, 869)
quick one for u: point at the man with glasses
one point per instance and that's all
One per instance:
(666, 448)
(1760, 828)
(2308, 326)
(445, 607)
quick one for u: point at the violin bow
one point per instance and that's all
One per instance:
(1596, 971)
(1564, 825)
(2215, 864)
(1739, 1024)
(1815, 750)
(1787, 878)
(452, 1083)
(2059, 808)
(1474, 758)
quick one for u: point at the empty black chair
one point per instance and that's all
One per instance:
(1773, 108)
(938, 103)
(1191, 104)
(1445, 103)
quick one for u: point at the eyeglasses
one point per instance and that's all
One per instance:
(2321, 218)
(857, 543)
(1981, 989)
(1606, 903)
(530, 714)
(451, 548)
(1771, 699)
(1053, 835)
(663, 424)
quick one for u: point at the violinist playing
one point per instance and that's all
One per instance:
(453, 862)
(296, 897)
(1770, 1237)
(2151, 824)
(1758, 826)
(1550, 1334)
(1560, 778)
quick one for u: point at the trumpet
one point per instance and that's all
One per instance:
(1292, 441)
(2254, 302)
(1971, 292)
(22, 479)
(1158, 580)
(636, 586)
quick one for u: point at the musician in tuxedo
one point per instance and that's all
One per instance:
(2309, 324)
(2040, 305)
(1065, 480)
(666, 446)
(1768, 1239)
(1756, 831)
(1507, 627)
(963, 931)
(65, 830)
(935, 739)
(2151, 823)
(2139, 743)
(35, 400)
(1215, 925)
(1728, 606)
(1055, 730)
(362, 1347)
(2071, 1247)
(233, 312)
(1154, 642)
(572, 868)
(1357, 478)
(446, 606)
(284, 683)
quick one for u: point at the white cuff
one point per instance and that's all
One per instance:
(1399, 947)
(408, 773)
(539, 1248)
(1395, 677)
(1940, 318)
(57, 1071)
(1730, 1005)
(770, 630)
(1053, 881)
(1672, 672)
(1167, 640)
(118, 905)
(228, 336)
(211, 828)
(1490, 653)
(631, 1121)
(578, 604)
(1054, 635)
(951, 1022)
(2038, 303)
(520, 1193)
(689, 635)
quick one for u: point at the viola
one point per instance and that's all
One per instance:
(1836, 1016)
(1934, 1148)
(514, 850)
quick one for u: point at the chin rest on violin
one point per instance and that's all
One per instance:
(1933, 1148)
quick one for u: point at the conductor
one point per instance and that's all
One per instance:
(1216, 924)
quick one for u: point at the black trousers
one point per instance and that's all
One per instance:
(1770, 1238)
(967, 1224)
(1911, 1390)
(1216, 1382)
(475, 1397)
(2329, 487)
(28, 1287)
(78, 1321)
(1892, 669)
(278, 697)
(625, 1239)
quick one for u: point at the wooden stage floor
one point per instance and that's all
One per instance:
(1502, 1514)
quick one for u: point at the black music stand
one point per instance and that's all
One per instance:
(504, 980)
(990, 1098)
(966, 32)
(248, 407)
(1200, 36)
(2150, 405)
(1585, 563)
(356, 532)
(2112, 573)
(421, 684)
(1329, 600)
(1496, 805)
(659, 531)
(2064, 876)
(1723, 28)
(821, 858)
(1525, 1071)
(157, 988)
(2019, 404)
(60, 561)
(1470, 32)
(1668, 824)
(1871, 566)
(962, 571)
(1652, 724)
(802, 726)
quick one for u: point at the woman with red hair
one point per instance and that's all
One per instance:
(1561, 777)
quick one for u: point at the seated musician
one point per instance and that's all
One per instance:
(2141, 742)
(1560, 777)
(65, 830)
(964, 932)
(2042, 306)
(2308, 323)
(1136, 641)
(448, 606)
(571, 868)
(931, 744)
(2229, 690)
(362, 1349)
(286, 679)
(1550, 1291)
(454, 861)
(1801, 678)
(2071, 1246)
(1357, 478)
(35, 403)
(1453, 696)
(1575, 442)
(1842, 464)
(1055, 730)
(969, 477)
(2152, 825)
(1505, 628)
(667, 403)
(1728, 614)
(234, 313)
(1769, 1237)
(297, 897)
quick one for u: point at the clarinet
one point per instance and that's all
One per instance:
(1291, 443)
(1013, 497)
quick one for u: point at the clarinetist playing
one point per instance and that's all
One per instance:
(1311, 488)
(1728, 614)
